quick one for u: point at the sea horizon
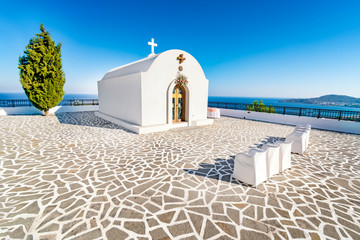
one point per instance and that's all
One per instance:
(268, 101)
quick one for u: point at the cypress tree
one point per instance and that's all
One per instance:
(41, 74)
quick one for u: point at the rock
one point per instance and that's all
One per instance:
(129, 213)
(90, 235)
(210, 230)
(180, 229)
(256, 225)
(17, 233)
(251, 235)
(330, 231)
(51, 228)
(166, 217)
(201, 210)
(197, 221)
(296, 233)
(315, 236)
(234, 215)
(228, 228)
(159, 234)
(137, 227)
(304, 224)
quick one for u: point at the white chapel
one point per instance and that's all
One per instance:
(157, 93)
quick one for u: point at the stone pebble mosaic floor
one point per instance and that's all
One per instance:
(75, 176)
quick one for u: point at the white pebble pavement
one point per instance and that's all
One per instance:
(75, 176)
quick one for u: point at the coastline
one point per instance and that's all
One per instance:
(246, 100)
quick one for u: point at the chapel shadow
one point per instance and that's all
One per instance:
(223, 168)
(87, 119)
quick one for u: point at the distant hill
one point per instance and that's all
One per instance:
(328, 100)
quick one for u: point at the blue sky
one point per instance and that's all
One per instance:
(246, 48)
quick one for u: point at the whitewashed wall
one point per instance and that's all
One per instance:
(120, 97)
(35, 111)
(318, 123)
(158, 83)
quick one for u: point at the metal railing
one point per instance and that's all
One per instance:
(297, 111)
(79, 102)
(66, 102)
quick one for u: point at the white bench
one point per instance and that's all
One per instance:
(272, 159)
(250, 167)
(300, 138)
(258, 165)
(284, 154)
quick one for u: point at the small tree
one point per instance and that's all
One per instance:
(253, 106)
(41, 74)
(260, 107)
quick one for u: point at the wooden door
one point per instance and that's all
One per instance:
(178, 101)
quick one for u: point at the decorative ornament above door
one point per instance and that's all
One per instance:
(181, 58)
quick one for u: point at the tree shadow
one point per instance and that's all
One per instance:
(223, 169)
(87, 119)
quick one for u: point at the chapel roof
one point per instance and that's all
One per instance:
(141, 65)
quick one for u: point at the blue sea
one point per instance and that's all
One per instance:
(18, 96)
(275, 102)
(246, 100)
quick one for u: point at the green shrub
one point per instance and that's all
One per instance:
(41, 74)
(257, 106)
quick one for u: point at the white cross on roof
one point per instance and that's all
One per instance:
(152, 44)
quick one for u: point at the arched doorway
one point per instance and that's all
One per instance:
(178, 104)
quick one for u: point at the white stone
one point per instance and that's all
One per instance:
(52, 110)
(138, 96)
(2, 112)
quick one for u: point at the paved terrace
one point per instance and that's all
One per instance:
(75, 176)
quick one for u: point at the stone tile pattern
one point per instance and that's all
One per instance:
(75, 176)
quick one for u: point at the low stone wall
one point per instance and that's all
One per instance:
(318, 123)
(57, 109)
